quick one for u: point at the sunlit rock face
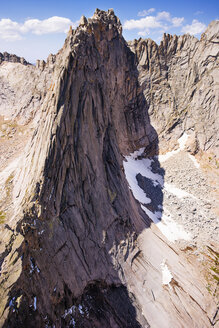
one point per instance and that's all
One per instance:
(80, 247)
(180, 81)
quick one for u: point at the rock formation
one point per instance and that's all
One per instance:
(5, 56)
(77, 249)
(180, 81)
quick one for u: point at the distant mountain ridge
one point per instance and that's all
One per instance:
(180, 78)
(5, 56)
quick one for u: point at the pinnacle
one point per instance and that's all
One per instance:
(102, 22)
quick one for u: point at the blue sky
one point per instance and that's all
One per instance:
(34, 29)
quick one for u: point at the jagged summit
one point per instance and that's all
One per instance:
(107, 17)
(103, 25)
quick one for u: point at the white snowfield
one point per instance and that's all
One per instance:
(163, 219)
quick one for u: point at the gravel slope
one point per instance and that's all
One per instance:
(197, 212)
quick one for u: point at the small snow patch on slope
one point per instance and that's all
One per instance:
(177, 192)
(181, 141)
(197, 165)
(169, 228)
(35, 303)
(166, 274)
(165, 157)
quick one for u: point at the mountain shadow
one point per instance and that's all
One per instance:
(81, 221)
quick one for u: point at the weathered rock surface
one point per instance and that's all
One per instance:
(77, 250)
(181, 86)
(23, 89)
(22, 93)
(5, 56)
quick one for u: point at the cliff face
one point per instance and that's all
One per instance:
(180, 81)
(77, 249)
(23, 89)
(71, 187)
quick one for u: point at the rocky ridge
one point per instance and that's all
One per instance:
(77, 249)
(5, 56)
(181, 87)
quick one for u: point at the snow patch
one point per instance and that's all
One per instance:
(132, 168)
(155, 217)
(169, 228)
(181, 141)
(166, 274)
(137, 153)
(177, 192)
(11, 303)
(196, 163)
(80, 309)
(163, 158)
(33, 266)
(73, 322)
(83, 310)
(35, 303)
(71, 310)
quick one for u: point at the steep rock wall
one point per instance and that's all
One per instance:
(79, 202)
(78, 250)
(180, 81)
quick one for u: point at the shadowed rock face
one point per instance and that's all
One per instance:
(75, 197)
(78, 249)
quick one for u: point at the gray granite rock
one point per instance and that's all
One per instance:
(180, 82)
(76, 247)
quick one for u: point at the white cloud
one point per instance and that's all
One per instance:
(195, 28)
(53, 24)
(177, 21)
(146, 12)
(142, 23)
(11, 31)
(164, 15)
(162, 20)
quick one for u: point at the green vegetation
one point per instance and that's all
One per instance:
(214, 269)
(2, 217)
(8, 185)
